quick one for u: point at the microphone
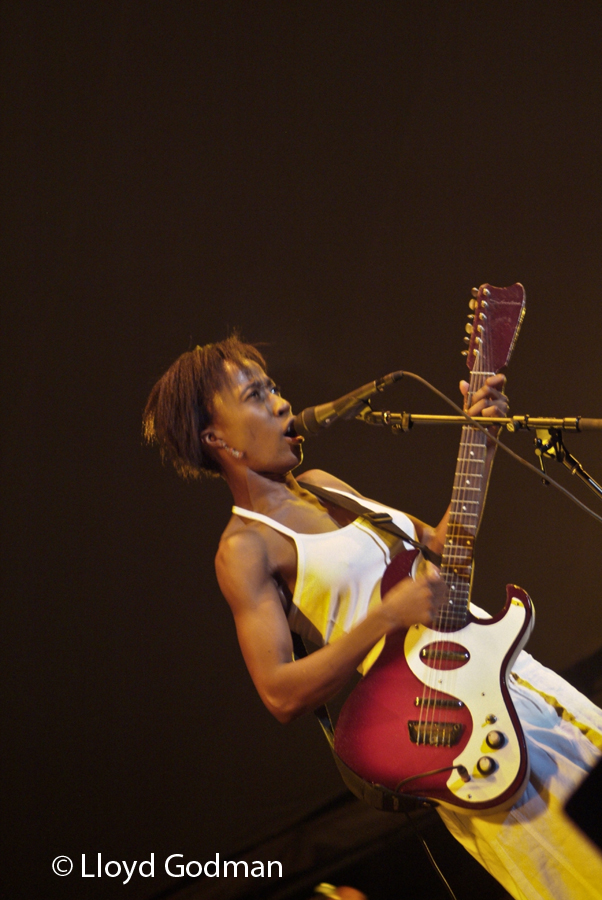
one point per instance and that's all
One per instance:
(311, 420)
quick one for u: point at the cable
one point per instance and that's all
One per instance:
(430, 857)
(506, 449)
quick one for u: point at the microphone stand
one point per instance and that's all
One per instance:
(554, 448)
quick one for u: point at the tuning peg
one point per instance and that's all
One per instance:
(472, 304)
(475, 292)
(467, 340)
(464, 352)
(468, 328)
(470, 317)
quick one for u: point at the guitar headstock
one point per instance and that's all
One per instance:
(496, 321)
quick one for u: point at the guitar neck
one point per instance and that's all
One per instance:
(467, 502)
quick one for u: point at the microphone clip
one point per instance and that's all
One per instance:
(549, 443)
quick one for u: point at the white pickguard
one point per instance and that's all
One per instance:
(477, 684)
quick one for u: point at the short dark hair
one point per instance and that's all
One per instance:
(179, 407)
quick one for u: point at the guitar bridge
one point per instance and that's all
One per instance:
(438, 703)
(438, 734)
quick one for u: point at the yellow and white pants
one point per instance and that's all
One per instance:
(533, 849)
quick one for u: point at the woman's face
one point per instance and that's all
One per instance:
(250, 416)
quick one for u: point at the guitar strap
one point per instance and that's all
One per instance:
(376, 795)
(381, 519)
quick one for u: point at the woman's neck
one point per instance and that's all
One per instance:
(263, 493)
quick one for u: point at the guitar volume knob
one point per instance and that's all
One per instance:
(495, 740)
(486, 765)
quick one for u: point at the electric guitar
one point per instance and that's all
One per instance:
(433, 717)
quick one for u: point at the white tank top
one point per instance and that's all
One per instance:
(339, 573)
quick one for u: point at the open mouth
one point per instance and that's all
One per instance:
(291, 435)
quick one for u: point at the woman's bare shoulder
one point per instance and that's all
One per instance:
(241, 563)
(239, 539)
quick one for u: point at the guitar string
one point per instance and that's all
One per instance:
(454, 615)
(456, 556)
(432, 715)
(470, 473)
(445, 619)
(459, 558)
(449, 613)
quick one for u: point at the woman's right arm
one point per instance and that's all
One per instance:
(289, 688)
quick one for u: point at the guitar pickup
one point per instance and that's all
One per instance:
(438, 734)
(434, 652)
(438, 703)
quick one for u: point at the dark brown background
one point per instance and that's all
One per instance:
(332, 178)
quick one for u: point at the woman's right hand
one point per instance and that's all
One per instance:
(415, 601)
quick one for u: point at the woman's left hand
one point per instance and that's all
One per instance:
(489, 400)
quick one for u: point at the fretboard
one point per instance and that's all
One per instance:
(465, 513)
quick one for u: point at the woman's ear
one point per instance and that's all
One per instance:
(214, 443)
(211, 443)
(209, 438)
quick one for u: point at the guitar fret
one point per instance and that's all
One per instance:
(459, 537)
(459, 553)
(462, 550)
